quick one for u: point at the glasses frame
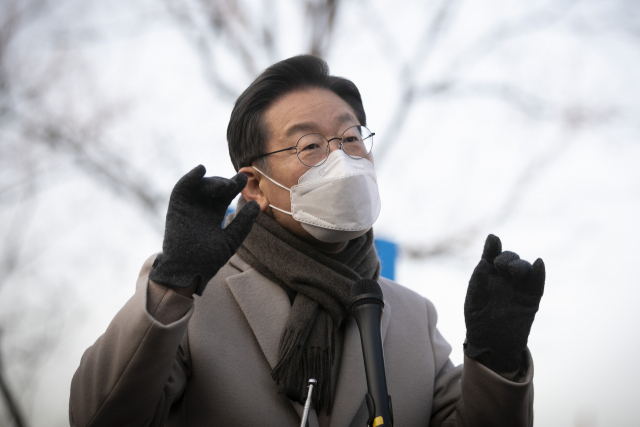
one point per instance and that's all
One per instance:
(295, 147)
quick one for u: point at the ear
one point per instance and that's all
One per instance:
(252, 190)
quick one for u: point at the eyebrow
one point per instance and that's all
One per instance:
(312, 127)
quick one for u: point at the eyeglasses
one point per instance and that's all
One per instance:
(313, 148)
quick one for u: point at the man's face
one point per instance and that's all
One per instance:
(288, 119)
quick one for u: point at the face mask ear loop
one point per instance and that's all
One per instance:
(278, 209)
(278, 184)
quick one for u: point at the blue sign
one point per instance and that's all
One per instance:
(387, 254)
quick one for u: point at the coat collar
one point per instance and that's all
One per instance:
(266, 307)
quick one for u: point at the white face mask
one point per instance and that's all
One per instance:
(337, 201)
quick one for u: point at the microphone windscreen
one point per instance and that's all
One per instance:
(365, 291)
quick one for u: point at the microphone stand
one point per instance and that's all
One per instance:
(307, 404)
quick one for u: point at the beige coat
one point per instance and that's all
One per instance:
(208, 363)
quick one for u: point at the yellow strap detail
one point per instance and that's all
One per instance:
(378, 422)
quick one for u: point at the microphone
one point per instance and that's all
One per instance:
(294, 394)
(366, 306)
(307, 404)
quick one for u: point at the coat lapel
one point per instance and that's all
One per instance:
(266, 307)
(352, 382)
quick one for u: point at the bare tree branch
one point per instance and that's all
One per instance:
(528, 103)
(14, 240)
(99, 162)
(220, 29)
(413, 91)
(574, 119)
(452, 244)
(506, 31)
(409, 86)
(36, 133)
(9, 398)
(321, 14)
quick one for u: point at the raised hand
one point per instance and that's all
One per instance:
(195, 245)
(502, 299)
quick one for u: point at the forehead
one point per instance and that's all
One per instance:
(305, 111)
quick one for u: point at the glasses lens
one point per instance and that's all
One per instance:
(312, 149)
(357, 141)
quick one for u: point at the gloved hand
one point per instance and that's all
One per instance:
(502, 299)
(195, 245)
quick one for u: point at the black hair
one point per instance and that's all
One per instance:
(247, 133)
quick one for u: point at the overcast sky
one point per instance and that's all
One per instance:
(561, 183)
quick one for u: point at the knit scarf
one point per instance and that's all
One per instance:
(319, 283)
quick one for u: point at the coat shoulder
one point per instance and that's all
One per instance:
(405, 299)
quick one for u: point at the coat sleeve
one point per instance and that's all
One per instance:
(134, 372)
(473, 395)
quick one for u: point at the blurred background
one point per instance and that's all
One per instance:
(518, 118)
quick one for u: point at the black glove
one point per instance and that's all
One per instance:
(195, 245)
(502, 300)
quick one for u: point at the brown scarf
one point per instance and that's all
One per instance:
(320, 284)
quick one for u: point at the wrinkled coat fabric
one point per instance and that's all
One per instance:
(208, 362)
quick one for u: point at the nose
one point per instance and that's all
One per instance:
(334, 144)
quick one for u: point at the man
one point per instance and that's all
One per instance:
(274, 287)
